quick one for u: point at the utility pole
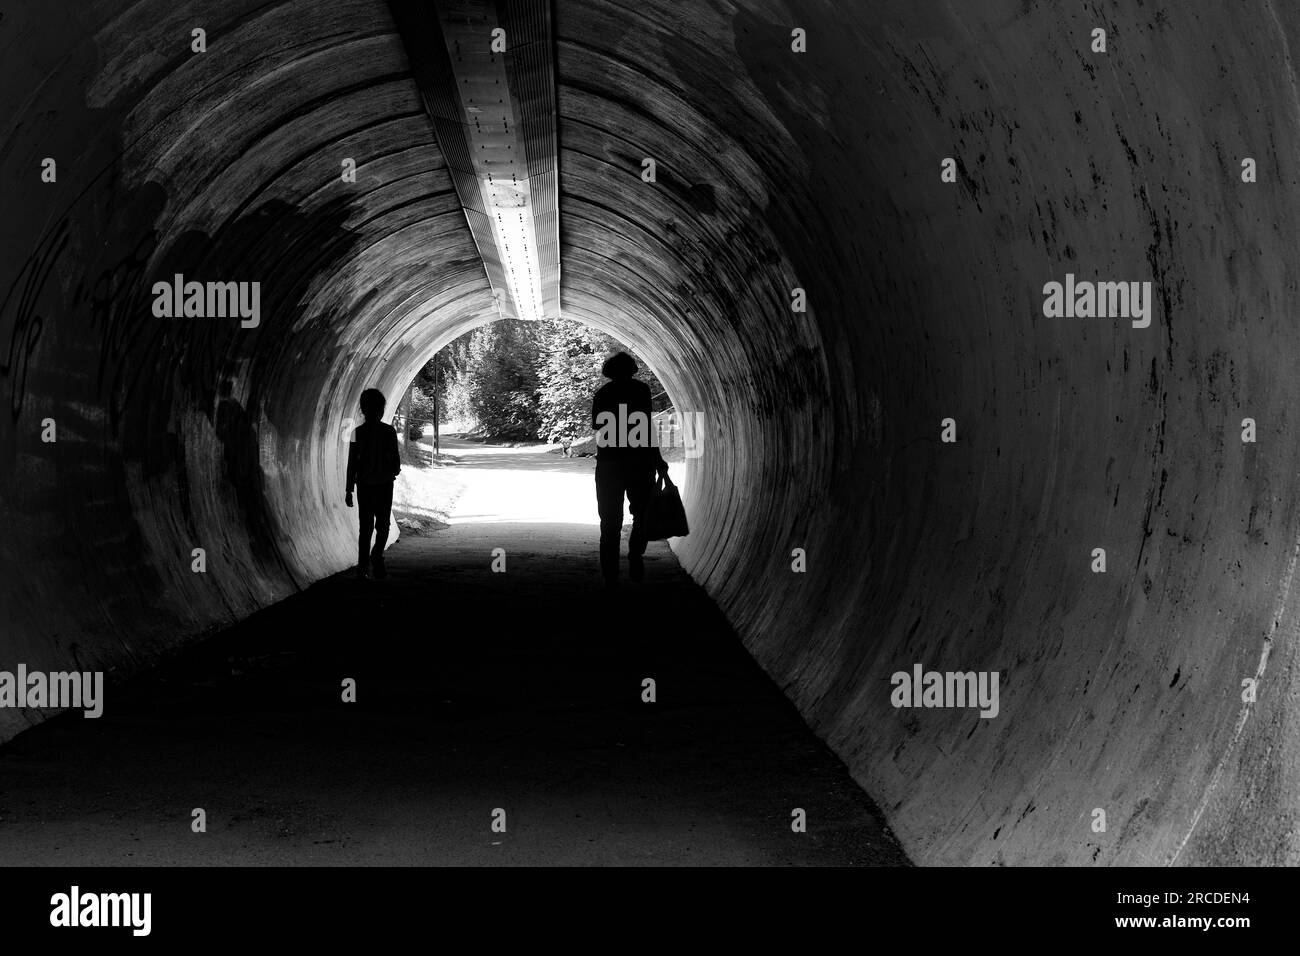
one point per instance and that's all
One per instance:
(402, 422)
(436, 450)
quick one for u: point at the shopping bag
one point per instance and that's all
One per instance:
(665, 516)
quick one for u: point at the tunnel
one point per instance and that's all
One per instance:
(840, 264)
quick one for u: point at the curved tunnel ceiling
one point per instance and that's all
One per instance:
(775, 170)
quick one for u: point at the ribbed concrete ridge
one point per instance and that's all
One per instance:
(776, 170)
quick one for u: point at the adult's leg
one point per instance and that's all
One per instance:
(639, 485)
(609, 505)
(366, 517)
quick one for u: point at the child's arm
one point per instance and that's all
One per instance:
(352, 470)
(394, 454)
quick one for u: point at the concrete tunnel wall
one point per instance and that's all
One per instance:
(1119, 691)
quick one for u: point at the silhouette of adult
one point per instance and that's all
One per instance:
(626, 463)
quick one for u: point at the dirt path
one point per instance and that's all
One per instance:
(475, 691)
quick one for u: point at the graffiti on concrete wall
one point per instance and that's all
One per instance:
(20, 318)
(115, 314)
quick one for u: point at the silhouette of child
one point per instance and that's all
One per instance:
(373, 464)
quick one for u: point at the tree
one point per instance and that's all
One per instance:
(499, 380)
(523, 380)
(420, 412)
(569, 373)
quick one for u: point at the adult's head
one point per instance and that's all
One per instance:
(619, 365)
(372, 403)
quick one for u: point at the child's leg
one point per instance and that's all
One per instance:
(383, 509)
(366, 515)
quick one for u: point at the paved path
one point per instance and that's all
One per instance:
(475, 691)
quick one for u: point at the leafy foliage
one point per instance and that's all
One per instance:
(570, 362)
(420, 412)
(522, 380)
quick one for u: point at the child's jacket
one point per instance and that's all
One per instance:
(373, 457)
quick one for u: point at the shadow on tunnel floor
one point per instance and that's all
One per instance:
(475, 691)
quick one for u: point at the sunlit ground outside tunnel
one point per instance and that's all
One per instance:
(542, 469)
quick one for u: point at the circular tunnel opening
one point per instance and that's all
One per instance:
(514, 399)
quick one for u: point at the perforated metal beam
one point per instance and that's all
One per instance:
(486, 76)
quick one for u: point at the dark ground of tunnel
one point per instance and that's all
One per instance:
(475, 690)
